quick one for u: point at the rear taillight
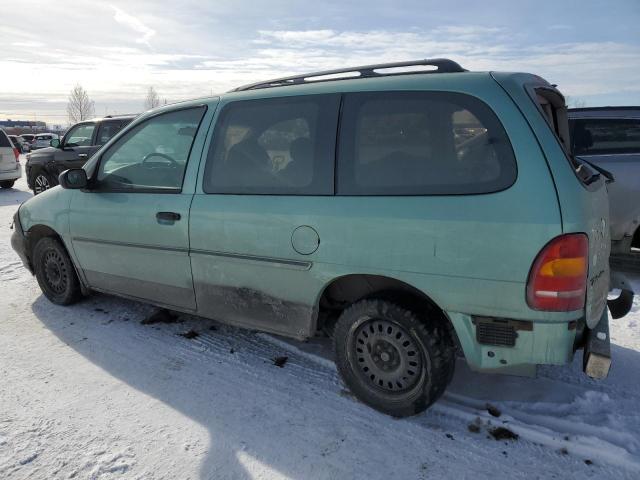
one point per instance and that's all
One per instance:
(17, 154)
(558, 278)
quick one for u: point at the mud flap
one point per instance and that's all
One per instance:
(597, 349)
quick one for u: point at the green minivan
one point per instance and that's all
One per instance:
(413, 211)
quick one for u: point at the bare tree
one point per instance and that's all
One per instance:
(575, 102)
(80, 106)
(152, 100)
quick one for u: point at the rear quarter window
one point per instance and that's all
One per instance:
(421, 143)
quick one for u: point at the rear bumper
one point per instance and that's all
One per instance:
(537, 343)
(597, 349)
(546, 343)
(11, 174)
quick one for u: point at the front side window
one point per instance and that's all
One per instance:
(605, 136)
(153, 155)
(421, 143)
(80, 135)
(280, 146)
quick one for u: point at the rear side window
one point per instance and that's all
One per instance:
(4, 140)
(422, 143)
(603, 136)
(107, 130)
(282, 146)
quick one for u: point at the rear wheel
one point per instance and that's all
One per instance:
(7, 183)
(390, 359)
(41, 182)
(55, 272)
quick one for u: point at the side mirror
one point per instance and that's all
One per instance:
(74, 178)
(55, 142)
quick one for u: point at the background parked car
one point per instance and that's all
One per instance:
(609, 137)
(29, 138)
(20, 143)
(76, 147)
(43, 140)
(10, 169)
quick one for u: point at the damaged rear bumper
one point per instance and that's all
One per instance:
(597, 349)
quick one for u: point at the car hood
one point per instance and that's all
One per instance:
(44, 151)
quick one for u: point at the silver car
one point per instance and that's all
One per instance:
(43, 140)
(609, 138)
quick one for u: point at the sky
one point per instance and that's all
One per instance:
(187, 49)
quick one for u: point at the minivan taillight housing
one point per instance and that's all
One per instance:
(558, 277)
(16, 152)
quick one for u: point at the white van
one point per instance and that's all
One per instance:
(10, 169)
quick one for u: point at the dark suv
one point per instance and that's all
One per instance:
(80, 142)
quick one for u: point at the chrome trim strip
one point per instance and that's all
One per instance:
(238, 256)
(133, 245)
(276, 261)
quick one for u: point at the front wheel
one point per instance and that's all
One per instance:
(41, 182)
(7, 183)
(55, 272)
(390, 359)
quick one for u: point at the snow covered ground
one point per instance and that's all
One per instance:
(89, 392)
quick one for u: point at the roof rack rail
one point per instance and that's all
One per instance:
(443, 65)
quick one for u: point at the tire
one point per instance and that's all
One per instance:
(42, 181)
(619, 307)
(391, 359)
(7, 183)
(55, 272)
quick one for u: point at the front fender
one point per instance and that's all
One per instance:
(51, 209)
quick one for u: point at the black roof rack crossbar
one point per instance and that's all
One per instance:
(443, 65)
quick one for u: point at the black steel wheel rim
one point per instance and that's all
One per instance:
(41, 183)
(55, 272)
(386, 356)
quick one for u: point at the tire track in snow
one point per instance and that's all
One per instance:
(10, 271)
(587, 441)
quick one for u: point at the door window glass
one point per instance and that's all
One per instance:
(80, 136)
(274, 146)
(153, 155)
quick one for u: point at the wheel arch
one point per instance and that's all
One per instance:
(39, 231)
(345, 290)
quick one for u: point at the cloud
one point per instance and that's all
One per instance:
(107, 49)
(560, 26)
(133, 23)
(28, 44)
